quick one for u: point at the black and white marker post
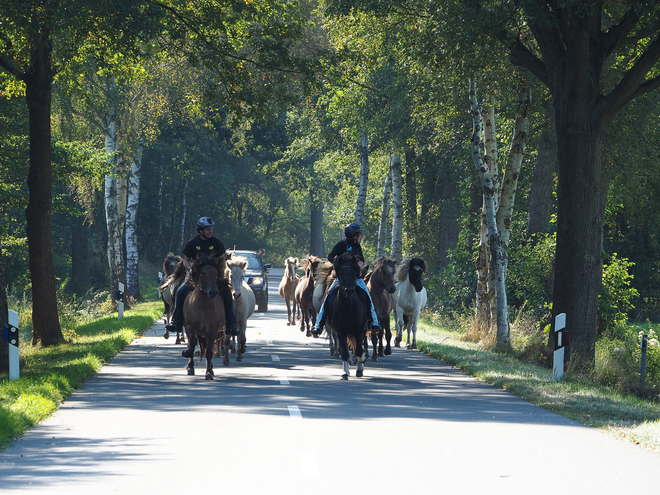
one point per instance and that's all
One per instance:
(11, 336)
(560, 343)
(120, 299)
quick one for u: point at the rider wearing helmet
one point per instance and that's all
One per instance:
(350, 244)
(209, 245)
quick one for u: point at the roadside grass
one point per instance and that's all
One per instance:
(623, 415)
(50, 374)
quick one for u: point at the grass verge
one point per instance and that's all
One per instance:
(624, 416)
(49, 374)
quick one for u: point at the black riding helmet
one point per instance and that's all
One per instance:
(352, 229)
(204, 222)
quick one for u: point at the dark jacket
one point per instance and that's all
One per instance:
(198, 245)
(346, 246)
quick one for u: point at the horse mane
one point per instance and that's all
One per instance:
(168, 259)
(178, 274)
(310, 259)
(405, 265)
(240, 261)
(379, 263)
(323, 271)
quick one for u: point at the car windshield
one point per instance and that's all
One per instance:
(253, 261)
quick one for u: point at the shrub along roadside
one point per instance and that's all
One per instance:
(49, 374)
(622, 415)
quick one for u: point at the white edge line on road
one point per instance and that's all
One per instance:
(275, 358)
(294, 412)
(284, 381)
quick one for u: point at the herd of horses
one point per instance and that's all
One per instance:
(393, 287)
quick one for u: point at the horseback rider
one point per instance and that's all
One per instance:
(350, 244)
(202, 243)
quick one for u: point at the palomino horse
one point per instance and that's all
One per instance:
(204, 311)
(175, 275)
(304, 294)
(244, 302)
(287, 289)
(380, 283)
(348, 312)
(409, 299)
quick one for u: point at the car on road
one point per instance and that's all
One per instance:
(255, 276)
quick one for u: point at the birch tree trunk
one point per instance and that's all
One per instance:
(385, 214)
(115, 245)
(364, 181)
(497, 255)
(397, 208)
(184, 212)
(133, 197)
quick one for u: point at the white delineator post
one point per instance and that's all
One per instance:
(120, 299)
(12, 340)
(560, 344)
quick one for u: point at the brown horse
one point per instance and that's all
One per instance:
(381, 285)
(305, 293)
(175, 275)
(324, 276)
(287, 289)
(204, 311)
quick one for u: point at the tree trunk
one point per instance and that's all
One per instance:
(184, 212)
(132, 278)
(397, 208)
(364, 181)
(4, 348)
(449, 227)
(79, 256)
(582, 196)
(410, 217)
(495, 243)
(45, 317)
(543, 181)
(383, 230)
(316, 244)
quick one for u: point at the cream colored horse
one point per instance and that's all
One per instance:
(244, 301)
(287, 289)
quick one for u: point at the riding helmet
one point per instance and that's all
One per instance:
(204, 222)
(352, 229)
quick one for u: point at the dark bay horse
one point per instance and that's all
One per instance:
(349, 312)
(381, 285)
(204, 311)
(174, 274)
(305, 294)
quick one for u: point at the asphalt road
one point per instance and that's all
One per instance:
(282, 422)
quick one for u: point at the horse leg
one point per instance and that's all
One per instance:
(399, 329)
(414, 331)
(288, 312)
(388, 337)
(189, 352)
(240, 343)
(225, 350)
(377, 350)
(360, 370)
(343, 345)
(209, 362)
(190, 367)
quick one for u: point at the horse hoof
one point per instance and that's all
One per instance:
(359, 373)
(388, 351)
(397, 344)
(191, 372)
(414, 346)
(239, 358)
(178, 340)
(187, 353)
(374, 358)
(288, 324)
(208, 377)
(166, 335)
(344, 376)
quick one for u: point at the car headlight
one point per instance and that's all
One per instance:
(255, 280)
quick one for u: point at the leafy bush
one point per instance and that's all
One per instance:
(616, 297)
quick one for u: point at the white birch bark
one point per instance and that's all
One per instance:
(133, 197)
(491, 162)
(497, 262)
(397, 208)
(364, 181)
(114, 247)
(385, 214)
(513, 165)
(184, 212)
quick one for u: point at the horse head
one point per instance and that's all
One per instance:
(206, 274)
(291, 264)
(415, 268)
(347, 271)
(383, 273)
(236, 267)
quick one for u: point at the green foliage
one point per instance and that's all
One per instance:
(616, 298)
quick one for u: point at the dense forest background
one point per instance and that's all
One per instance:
(254, 114)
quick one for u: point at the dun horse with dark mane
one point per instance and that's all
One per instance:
(348, 312)
(381, 285)
(175, 275)
(203, 311)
